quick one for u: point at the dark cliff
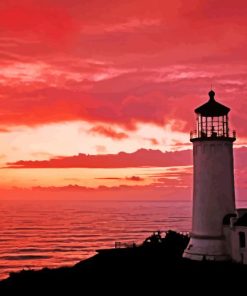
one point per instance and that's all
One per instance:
(157, 266)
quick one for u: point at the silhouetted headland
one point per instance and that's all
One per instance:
(157, 264)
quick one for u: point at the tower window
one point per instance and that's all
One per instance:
(242, 239)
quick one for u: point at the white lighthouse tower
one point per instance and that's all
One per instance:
(213, 192)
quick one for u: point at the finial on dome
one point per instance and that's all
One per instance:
(211, 94)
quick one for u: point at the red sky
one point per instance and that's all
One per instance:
(105, 77)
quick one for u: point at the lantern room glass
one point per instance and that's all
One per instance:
(212, 127)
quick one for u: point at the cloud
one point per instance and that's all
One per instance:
(72, 179)
(48, 22)
(140, 158)
(132, 178)
(119, 66)
(4, 130)
(147, 65)
(153, 141)
(101, 193)
(108, 132)
(173, 182)
(109, 178)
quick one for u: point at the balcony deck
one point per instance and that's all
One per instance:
(202, 136)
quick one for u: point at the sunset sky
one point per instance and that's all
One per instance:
(97, 96)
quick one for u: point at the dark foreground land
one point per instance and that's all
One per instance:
(155, 267)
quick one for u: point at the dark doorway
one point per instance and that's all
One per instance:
(242, 239)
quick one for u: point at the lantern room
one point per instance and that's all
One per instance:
(212, 121)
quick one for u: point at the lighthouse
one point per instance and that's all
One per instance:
(213, 183)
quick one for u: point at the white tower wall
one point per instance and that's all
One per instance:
(213, 198)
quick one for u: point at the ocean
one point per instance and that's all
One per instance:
(36, 234)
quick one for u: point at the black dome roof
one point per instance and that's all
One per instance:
(212, 108)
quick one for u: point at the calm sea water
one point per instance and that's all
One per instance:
(60, 233)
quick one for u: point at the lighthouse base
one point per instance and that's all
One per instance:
(207, 248)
